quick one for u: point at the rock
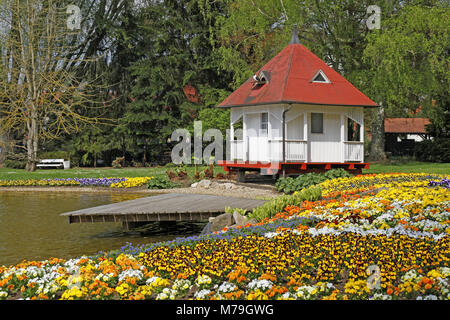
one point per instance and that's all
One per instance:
(204, 184)
(206, 228)
(228, 220)
(239, 219)
(222, 221)
(228, 186)
(214, 185)
(194, 185)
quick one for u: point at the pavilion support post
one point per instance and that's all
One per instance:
(343, 137)
(305, 134)
(233, 150)
(284, 138)
(241, 176)
(361, 138)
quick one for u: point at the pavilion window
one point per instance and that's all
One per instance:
(353, 130)
(264, 129)
(316, 122)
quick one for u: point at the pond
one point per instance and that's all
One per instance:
(31, 227)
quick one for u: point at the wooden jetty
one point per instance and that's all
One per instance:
(165, 207)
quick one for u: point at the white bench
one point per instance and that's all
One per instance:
(53, 163)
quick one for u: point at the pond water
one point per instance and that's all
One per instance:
(31, 227)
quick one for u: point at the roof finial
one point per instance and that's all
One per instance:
(295, 39)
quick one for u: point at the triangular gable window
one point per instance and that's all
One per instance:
(320, 77)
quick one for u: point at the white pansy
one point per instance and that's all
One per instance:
(166, 294)
(130, 273)
(380, 296)
(227, 287)
(181, 284)
(262, 285)
(271, 234)
(202, 294)
(306, 292)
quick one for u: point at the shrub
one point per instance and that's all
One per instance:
(54, 155)
(117, 163)
(290, 185)
(242, 212)
(161, 183)
(15, 164)
(272, 207)
(437, 150)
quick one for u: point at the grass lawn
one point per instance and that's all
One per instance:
(17, 174)
(409, 167)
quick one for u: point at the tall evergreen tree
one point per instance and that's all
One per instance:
(175, 56)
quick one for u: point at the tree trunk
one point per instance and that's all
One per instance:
(29, 166)
(144, 158)
(32, 142)
(124, 148)
(376, 152)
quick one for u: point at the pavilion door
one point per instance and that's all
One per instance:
(257, 139)
(324, 138)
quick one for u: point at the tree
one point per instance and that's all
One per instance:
(174, 53)
(335, 30)
(39, 97)
(111, 50)
(409, 64)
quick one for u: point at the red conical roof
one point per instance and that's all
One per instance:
(290, 78)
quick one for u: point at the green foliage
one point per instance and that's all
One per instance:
(255, 31)
(175, 51)
(15, 164)
(242, 212)
(436, 150)
(55, 155)
(290, 185)
(214, 118)
(408, 61)
(161, 182)
(117, 163)
(336, 173)
(272, 207)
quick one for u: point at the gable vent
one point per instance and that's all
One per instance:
(320, 77)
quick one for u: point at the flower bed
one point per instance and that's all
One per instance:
(125, 182)
(397, 226)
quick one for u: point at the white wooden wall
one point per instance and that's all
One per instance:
(329, 146)
(326, 146)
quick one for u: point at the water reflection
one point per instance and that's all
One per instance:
(31, 227)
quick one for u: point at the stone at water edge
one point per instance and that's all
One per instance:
(206, 229)
(239, 219)
(222, 221)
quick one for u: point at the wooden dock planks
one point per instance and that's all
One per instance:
(165, 207)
